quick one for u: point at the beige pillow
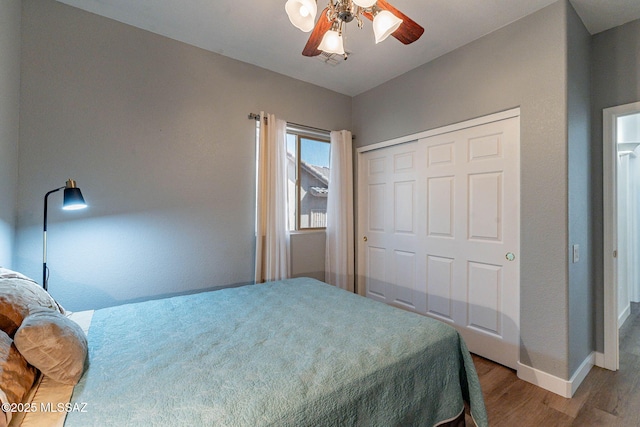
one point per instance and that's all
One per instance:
(54, 344)
(17, 293)
(16, 376)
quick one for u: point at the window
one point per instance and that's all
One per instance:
(308, 175)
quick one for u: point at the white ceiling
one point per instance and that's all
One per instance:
(259, 32)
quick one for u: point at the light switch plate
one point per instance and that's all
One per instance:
(576, 253)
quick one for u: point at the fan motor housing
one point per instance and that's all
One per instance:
(345, 11)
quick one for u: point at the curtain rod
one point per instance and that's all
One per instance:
(256, 117)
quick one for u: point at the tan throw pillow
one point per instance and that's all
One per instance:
(54, 344)
(17, 293)
(16, 376)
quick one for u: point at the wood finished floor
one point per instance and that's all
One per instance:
(605, 398)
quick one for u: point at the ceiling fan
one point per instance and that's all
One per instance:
(327, 34)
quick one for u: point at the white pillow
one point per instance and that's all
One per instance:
(5, 273)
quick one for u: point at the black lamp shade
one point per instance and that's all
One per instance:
(73, 199)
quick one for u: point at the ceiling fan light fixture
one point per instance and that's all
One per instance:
(365, 3)
(385, 23)
(332, 42)
(302, 13)
(328, 32)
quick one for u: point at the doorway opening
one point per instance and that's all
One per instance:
(621, 184)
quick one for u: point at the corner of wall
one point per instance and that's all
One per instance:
(564, 388)
(10, 27)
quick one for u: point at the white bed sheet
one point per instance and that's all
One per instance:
(47, 398)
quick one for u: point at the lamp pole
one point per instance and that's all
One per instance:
(44, 239)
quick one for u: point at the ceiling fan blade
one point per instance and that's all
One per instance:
(408, 32)
(322, 26)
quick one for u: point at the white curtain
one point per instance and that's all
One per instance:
(272, 234)
(339, 260)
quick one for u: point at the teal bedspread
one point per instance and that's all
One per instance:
(291, 353)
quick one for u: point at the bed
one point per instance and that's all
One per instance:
(290, 353)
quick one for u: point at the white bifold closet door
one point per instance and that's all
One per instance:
(439, 232)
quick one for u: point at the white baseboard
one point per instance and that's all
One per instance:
(624, 315)
(565, 388)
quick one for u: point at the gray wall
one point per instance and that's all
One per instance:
(523, 64)
(307, 254)
(615, 81)
(581, 285)
(9, 121)
(156, 134)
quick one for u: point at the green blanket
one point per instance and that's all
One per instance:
(291, 353)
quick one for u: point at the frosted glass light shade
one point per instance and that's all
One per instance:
(364, 3)
(302, 13)
(384, 24)
(332, 42)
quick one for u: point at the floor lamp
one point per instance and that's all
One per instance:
(72, 200)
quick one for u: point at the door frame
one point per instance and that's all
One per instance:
(610, 115)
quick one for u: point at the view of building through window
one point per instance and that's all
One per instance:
(308, 173)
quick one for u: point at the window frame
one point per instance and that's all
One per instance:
(318, 135)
